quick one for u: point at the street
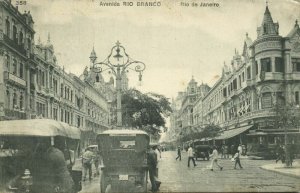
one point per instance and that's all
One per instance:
(177, 177)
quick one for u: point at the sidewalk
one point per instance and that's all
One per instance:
(280, 168)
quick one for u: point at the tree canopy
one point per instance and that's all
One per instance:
(145, 111)
(209, 131)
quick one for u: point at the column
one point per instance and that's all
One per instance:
(49, 109)
(287, 63)
(48, 78)
(34, 92)
(273, 64)
(2, 86)
(27, 95)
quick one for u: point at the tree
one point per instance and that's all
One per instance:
(286, 118)
(145, 111)
(209, 131)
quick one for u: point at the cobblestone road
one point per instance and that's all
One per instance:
(177, 177)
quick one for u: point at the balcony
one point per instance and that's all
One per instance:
(257, 114)
(249, 116)
(50, 92)
(14, 114)
(14, 45)
(13, 78)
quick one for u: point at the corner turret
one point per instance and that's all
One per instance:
(268, 27)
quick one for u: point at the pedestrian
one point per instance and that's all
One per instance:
(50, 170)
(178, 153)
(223, 151)
(226, 151)
(87, 159)
(158, 155)
(96, 162)
(157, 151)
(214, 157)
(232, 150)
(237, 160)
(280, 154)
(244, 150)
(152, 166)
(191, 156)
(240, 149)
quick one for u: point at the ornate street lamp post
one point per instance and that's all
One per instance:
(118, 63)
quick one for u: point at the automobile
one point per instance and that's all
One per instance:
(124, 155)
(21, 143)
(202, 151)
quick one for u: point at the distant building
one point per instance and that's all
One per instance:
(184, 116)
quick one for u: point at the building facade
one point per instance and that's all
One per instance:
(16, 45)
(33, 85)
(186, 115)
(264, 75)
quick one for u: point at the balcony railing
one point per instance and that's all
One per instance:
(14, 114)
(14, 78)
(15, 45)
(249, 116)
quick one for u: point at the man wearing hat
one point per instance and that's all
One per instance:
(152, 166)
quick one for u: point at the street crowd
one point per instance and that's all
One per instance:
(214, 156)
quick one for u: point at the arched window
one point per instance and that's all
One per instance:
(21, 73)
(7, 63)
(7, 99)
(21, 38)
(15, 100)
(7, 27)
(266, 100)
(14, 66)
(15, 37)
(29, 44)
(21, 101)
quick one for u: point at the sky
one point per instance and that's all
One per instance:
(175, 42)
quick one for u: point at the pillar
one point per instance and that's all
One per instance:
(34, 92)
(2, 86)
(27, 93)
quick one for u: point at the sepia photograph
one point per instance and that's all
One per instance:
(102, 96)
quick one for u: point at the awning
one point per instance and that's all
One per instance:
(233, 132)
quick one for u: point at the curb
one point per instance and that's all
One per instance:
(278, 172)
